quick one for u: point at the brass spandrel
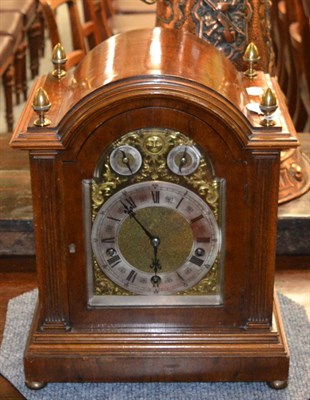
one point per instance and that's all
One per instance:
(103, 286)
(154, 144)
(209, 285)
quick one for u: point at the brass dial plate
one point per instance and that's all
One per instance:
(155, 146)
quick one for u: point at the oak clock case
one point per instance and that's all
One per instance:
(155, 218)
(155, 212)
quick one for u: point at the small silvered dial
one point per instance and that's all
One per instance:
(183, 159)
(125, 160)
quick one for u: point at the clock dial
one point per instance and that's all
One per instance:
(155, 238)
(183, 159)
(125, 160)
(158, 229)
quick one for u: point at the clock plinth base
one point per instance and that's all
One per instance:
(192, 356)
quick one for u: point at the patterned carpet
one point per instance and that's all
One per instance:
(20, 311)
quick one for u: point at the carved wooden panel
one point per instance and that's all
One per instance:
(228, 25)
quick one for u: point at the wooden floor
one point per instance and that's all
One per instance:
(292, 278)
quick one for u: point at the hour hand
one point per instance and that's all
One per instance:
(125, 160)
(183, 160)
(155, 262)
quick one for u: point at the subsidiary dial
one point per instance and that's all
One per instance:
(125, 160)
(183, 159)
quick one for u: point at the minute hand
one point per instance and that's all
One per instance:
(132, 214)
(143, 227)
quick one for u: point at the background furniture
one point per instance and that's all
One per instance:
(291, 38)
(121, 16)
(32, 26)
(11, 27)
(20, 21)
(7, 75)
(50, 9)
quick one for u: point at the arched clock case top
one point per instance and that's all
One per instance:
(217, 177)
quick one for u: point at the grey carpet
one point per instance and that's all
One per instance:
(19, 315)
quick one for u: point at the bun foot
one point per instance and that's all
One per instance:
(35, 385)
(277, 385)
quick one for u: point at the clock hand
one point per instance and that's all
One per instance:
(183, 160)
(155, 241)
(155, 262)
(132, 214)
(126, 160)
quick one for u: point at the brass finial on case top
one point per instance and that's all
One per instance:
(59, 59)
(268, 106)
(251, 56)
(41, 104)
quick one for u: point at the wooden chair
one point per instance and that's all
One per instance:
(299, 31)
(7, 74)
(277, 42)
(32, 27)
(288, 78)
(291, 37)
(113, 23)
(306, 5)
(79, 49)
(131, 7)
(11, 26)
(90, 28)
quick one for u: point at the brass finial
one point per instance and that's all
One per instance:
(251, 56)
(59, 59)
(41, 104)
(268, 105)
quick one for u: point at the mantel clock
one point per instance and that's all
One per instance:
(155, 215)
